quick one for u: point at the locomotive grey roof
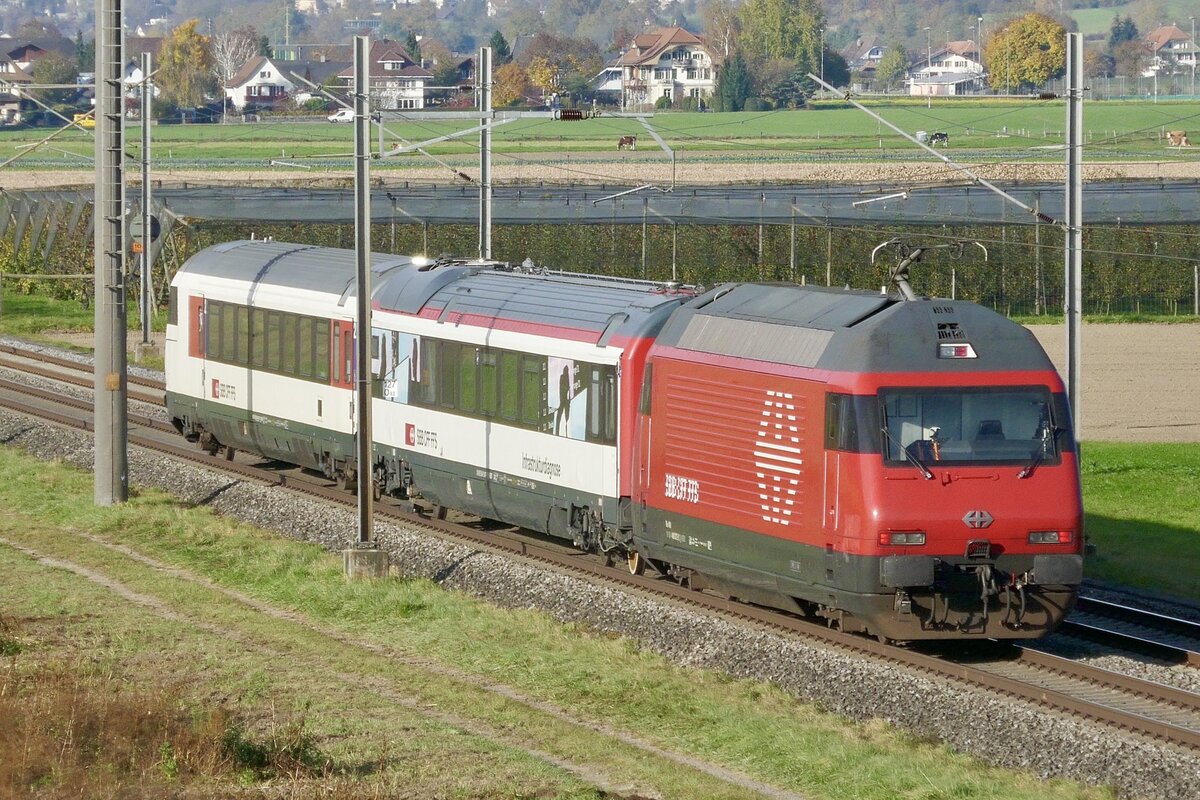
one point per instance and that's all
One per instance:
(848, 331)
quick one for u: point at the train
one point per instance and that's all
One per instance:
(895, 465)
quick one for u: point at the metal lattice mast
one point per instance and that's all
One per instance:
(111, 407)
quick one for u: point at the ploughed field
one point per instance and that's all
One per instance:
(1141, 381)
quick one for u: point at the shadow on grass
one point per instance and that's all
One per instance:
(1145, 554)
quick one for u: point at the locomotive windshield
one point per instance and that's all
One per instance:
(972, 425)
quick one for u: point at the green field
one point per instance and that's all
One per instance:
(1004, 128)
(1097, 21)
(166, 651)
(1143, 515)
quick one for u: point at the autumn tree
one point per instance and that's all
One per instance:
(561, 63)
(1028, 52)
(543, 74)
(37, 28)
(185, 68)
(721, 25)
(1130, 58)
(1098, 65)
(55, 69)
(231, 50)
(893, 67)
(509, 82)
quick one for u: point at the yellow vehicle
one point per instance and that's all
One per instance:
(85, 120)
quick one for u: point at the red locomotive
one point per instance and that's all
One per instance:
(902, 467)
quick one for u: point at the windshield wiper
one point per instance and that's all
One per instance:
(1048, 438)
(907, 455)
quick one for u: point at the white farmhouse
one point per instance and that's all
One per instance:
(397, 81)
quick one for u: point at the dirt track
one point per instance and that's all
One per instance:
(633, 168)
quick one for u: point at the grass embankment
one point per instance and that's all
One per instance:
(1143, 515)
(1000, 124)
(326, 688)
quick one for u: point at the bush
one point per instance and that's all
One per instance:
(663, 103)
(164, 109)
(757, 104)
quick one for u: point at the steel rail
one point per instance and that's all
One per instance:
(1156, 722)
(1170, 638)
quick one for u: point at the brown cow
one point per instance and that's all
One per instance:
(627, 141)
(1177, 139)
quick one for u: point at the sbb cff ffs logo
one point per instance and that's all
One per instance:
(977, 519)
(419, 437)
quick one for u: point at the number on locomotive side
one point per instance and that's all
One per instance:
(685, 489)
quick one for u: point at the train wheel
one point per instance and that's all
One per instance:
(635, 562)
(439, 512)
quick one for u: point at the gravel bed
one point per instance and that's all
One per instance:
(996, 729)
(1097, 655)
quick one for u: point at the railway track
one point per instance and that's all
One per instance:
(1167, 638)
(1122, 701)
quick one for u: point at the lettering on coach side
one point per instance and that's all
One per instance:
(419, 437)
(777, 457)
(223, 391)
(541, 466)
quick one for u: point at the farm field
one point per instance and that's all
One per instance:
(1028, 129)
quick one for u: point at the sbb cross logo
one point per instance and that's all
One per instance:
(410, 434)
(216, 389)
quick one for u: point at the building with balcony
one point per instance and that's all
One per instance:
(666, 63)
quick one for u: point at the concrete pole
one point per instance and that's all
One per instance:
(147, 289)
(362, 253)
(483, 76)
(110, 402)
(1073, 294)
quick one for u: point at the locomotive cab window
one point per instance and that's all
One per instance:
(1010, 425)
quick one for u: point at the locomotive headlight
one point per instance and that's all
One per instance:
(1051, 537)
(906, 538)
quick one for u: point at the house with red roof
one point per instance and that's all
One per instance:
(666, 62)
(1171, 51)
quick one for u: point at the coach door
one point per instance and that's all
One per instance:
(341, 372)
(198, 337)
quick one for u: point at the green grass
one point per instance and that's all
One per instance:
(1143, 514)
(1000, 125)
(445, 647)
(1095, 21)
